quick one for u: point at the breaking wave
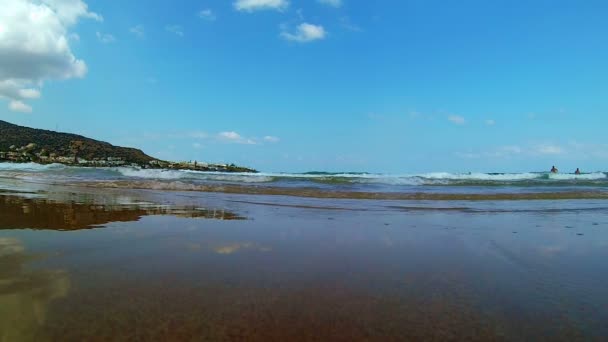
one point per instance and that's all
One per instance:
(310, 179)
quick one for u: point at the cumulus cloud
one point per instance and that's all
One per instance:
(18, 106)
(230, 135)
(258, 5)
(34, 46)
(69, 11)
(458, 120)
(175, 29)
(305, 33)
(332, 3)
(234, 137)
(139, 31)
(207, 14)
(490, 122)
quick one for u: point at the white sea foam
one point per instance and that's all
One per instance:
(481, 176)
(585, 176)
(151, 173)
(190, 174)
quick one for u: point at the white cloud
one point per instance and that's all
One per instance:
(34, 46)
(175, 29)
(207, 14)
(257, 5)
(68, 11)
(105, 38)
(490, 122)
(234, 137)
(230, 135)
(18, 106)
(458, 120)
(29, 93)
(197, 146)
(305, 33)
(271, 139)
(139, 31)
(15, 90)
(332, 3)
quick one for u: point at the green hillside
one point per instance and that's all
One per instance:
(46, 143)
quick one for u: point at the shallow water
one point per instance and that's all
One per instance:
(82, 263)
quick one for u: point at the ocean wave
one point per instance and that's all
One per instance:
(193, 175)
(480, 176)
(313, 179)
(150, 173)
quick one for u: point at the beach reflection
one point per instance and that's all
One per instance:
(238, 247)
(18, 212)
(298, 269)
(25, 295)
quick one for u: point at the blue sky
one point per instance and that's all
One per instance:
(380, 86)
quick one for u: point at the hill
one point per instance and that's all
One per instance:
(40, 145)
(23, 144)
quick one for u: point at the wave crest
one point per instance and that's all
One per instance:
(314, 179)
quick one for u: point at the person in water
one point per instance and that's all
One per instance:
(553, 169)
(577, 172)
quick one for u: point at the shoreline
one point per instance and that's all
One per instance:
(312, 193)
(308, 192)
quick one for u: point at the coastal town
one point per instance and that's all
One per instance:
(31, 153)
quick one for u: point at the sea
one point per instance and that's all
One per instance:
(312, 184)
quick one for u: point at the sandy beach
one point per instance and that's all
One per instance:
(82, 263)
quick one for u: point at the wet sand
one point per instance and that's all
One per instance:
(139, 265)
(522, 194)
